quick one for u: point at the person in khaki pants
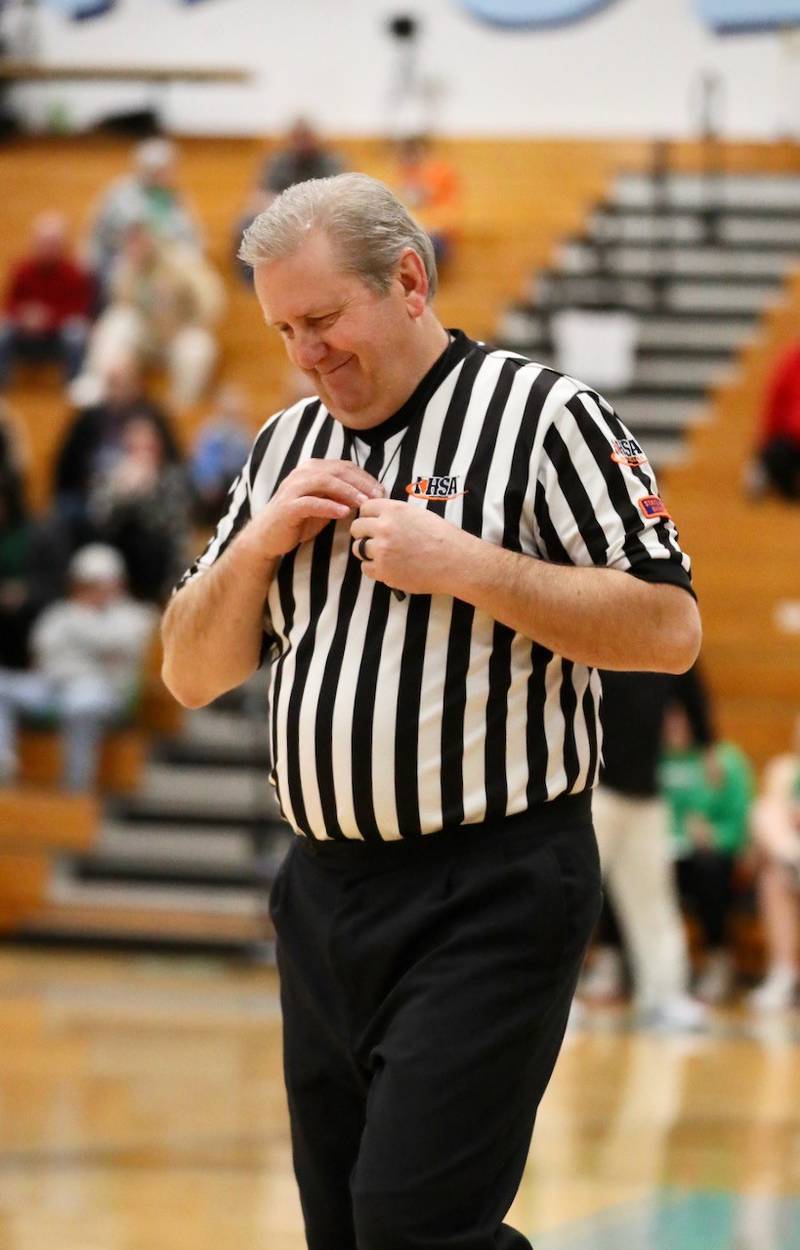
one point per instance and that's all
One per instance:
(631, 822)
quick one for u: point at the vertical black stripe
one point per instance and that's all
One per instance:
(576, 498)
(463, 614)
(260, 446)
(366, 685)
(496, 751)
(590, 714)
(285, 583)
(419, 607)
(519, 474)
(323, 725)
(569, 707)
(364, 713)
(536, 728)
(554, 550)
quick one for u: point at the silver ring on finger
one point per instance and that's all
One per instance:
(362, 549)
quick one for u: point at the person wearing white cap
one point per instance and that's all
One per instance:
(88, 655)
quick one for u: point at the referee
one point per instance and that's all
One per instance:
(435, 554)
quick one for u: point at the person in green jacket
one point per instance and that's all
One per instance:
(709, 791)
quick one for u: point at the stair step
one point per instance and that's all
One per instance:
(700, 261)
(699, 190)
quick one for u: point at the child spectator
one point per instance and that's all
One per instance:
(709, 791)
(88, 651)
(48, 303)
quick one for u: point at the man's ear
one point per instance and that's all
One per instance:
(412, 277)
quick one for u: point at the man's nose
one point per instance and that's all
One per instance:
(309, 351)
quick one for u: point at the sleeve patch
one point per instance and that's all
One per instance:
(652, 506)
(627, 451)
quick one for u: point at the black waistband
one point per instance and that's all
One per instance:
(543, 819)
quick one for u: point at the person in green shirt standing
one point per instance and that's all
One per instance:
(709, 791)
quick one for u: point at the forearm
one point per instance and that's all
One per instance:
(600, 617)
(212, 629)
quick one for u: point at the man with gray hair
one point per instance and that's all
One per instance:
(435, 551)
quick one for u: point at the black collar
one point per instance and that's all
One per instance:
(458, 347)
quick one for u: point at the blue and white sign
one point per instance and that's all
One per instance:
(78, 10)
(739, 15)
(534, 13)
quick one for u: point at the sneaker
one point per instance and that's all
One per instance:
(601, 982)
(775, 993)
(680, 1014)
(715, 981)
(9, 768)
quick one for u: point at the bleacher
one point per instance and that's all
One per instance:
(183, 855)
(697, 260)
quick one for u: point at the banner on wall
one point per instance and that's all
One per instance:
(534, 13)
(727, 16)
(82, 10)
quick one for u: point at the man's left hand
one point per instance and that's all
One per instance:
(406, 546)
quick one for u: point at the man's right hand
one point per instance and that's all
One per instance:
(312, 495)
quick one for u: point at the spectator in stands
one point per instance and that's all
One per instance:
(89, 652)
(632, 827)
(429, 187)
(164, 299)
(48, 303)
(222, 446)
(93, 441)
(303, 156)
(140, 505)
(708, 791)
(15, 614)
(776, 462)
(776, 836)
(149, 195)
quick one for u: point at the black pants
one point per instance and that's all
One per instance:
(705, 883)
(425, 991)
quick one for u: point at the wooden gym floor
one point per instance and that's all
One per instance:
(141, 1108)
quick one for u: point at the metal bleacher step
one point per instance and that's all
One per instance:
(765, 230)
(657, 413)
(209, 796)
(731, 191)
(581, 256)
(698, 293)
(521, 328)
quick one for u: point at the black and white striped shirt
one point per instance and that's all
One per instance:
(393, 718)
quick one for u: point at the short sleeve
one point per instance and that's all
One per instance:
(596, 497)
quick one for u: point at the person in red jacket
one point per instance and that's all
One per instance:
(48, 303)
(776, 463)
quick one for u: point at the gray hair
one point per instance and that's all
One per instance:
(365, 221)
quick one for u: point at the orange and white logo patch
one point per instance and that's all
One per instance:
(435, 488)
(628, 452)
